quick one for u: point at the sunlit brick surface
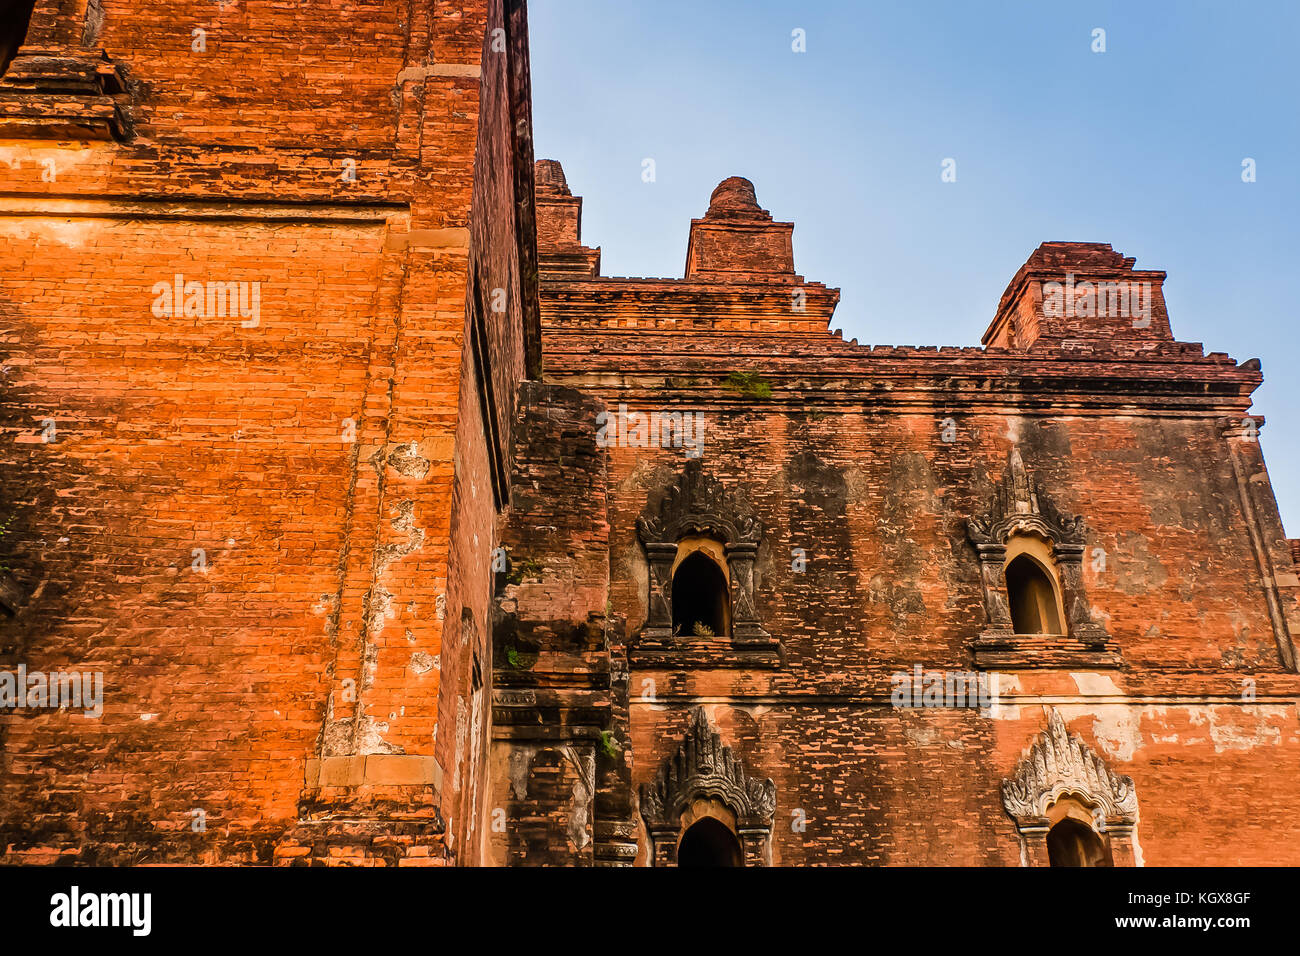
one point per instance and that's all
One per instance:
(256, 523)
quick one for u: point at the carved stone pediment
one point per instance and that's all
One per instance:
(698, 503)
(1058, 764)
(704, 767)
(1020, 507)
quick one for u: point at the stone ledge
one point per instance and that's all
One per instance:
(357, 770)
(1044, 651)
(41, 205)
(702, 654)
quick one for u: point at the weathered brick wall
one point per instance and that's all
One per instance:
(273, 532)
(867, 784)
(552, 640)
(501, 348)
(329, 455)
(878, 502)
(879, 508)
(182, 532)
(871, 462)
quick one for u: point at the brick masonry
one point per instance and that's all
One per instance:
(869, 463)
(269, 530)
(368, 588)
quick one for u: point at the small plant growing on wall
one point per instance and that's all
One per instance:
(4, 530)
(608, 746)
(527, 568)
(749, 384)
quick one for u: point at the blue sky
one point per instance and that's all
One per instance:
(1140, 146)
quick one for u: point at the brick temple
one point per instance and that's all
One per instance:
(373, 525)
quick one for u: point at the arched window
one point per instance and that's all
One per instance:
(1069, 808)
(1045, 596)
(1072, 843)
(697, 615)
(1031, 592)
(709, 842)
(700, 603)
(705, 808)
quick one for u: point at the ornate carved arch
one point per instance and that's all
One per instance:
(1020, 507)
(1059, 764)
(703, 768)
(698, 503)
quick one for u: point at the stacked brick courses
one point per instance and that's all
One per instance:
(258, 525)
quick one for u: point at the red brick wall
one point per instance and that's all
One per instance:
(872, 461)
(331, 461)
(553, 640)
(501, 304)
(878, 503)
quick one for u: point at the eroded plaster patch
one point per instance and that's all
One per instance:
(1095, 685)
(1251, 728)
(1115, 727)
(70, 233)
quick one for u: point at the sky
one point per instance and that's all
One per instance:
(1140, 146)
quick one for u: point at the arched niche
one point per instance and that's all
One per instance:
(697, 515)
(1033, 587)
(709, 835)
(1023, 524)
(704, 781)
(701, 598)
(13, 31)
(1062, 788)
(1072, 835)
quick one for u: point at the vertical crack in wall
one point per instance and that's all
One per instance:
(335, 738)
(368, 732)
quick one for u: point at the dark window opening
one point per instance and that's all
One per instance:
(1071, 843)
(709, 842)
(15, 17)
(1032, 597)
(699, 598)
